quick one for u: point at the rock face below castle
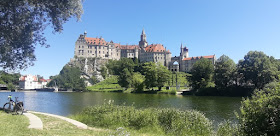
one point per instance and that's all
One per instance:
(90, 67)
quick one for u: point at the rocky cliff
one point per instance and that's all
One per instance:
(89, 67)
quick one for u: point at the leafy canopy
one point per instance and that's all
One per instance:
(22, 23)
(224, 72)
(258, 69)
(202, 73)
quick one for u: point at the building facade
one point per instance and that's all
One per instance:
(32, 82)
(184, 63)
(97, 47)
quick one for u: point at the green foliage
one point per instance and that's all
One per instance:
(227, 129)
(260, 114)
(202, 73)
(11, 80)
(69, 78)
(224, 72)
(181, 79)
(109, 84)
(156, 75)
(22, 23)
(116, 67)
(150, 72)
(138, 82)
(160, 121)
(125, 78)
(163, 76)
(104, 72)
(258, 69)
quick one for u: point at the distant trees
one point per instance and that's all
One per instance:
(22, 23)
(11, 80)
(69, 78)
(255, 71)
(133, 74)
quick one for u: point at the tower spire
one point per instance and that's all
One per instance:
(143, 32)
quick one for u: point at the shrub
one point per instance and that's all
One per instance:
(226, 128)
(260, 115)
(168, 121)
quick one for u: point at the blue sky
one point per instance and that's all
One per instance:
(206, 27)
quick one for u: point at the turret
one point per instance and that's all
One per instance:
(184, 52)
(143, 40)
(85, 34)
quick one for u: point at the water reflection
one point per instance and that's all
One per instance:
(215, 108)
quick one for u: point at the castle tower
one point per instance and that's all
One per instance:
(143, 41)
(184, 52)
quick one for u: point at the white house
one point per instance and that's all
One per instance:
(31, 82)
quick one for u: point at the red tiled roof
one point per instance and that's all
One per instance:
(155, 48)
(43, 80)
(199, 57)
(22, 78)
(95, 41)
(129, 47)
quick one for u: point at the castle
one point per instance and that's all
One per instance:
(88, 47)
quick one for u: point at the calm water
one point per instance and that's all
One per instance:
(215, 108)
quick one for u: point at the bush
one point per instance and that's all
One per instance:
(227, 129)
(161, 121)
(260, 115)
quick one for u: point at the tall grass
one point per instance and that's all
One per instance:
(160, 121)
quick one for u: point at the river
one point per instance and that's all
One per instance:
(216, 109)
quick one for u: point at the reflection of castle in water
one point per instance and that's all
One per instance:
(88, 47)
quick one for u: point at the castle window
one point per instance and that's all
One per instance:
(79, 46)
(99, 51)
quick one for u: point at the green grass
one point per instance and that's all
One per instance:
(12, 125)
(151, 121)
(108, 85)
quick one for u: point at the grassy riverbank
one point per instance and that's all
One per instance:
(108, 85)
(18, 125)
(111, 85)
(151, 121)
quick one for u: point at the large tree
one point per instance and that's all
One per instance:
(22, 23)
(156, 75)
(257, 69)
(202, 73)
(224, 72)
(69, 78)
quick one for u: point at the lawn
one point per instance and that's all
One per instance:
(108, 85)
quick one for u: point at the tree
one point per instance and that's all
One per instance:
(138, 82)
(163, 76)
(156, 75)
(259, 115)
(202, 73)
(257, 69)
(224, 72)
(104, 72)
(125, 78)
(116, 67)
(69, 77)
(150, 72)
(22, 23)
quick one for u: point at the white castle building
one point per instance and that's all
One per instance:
(88, 47)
